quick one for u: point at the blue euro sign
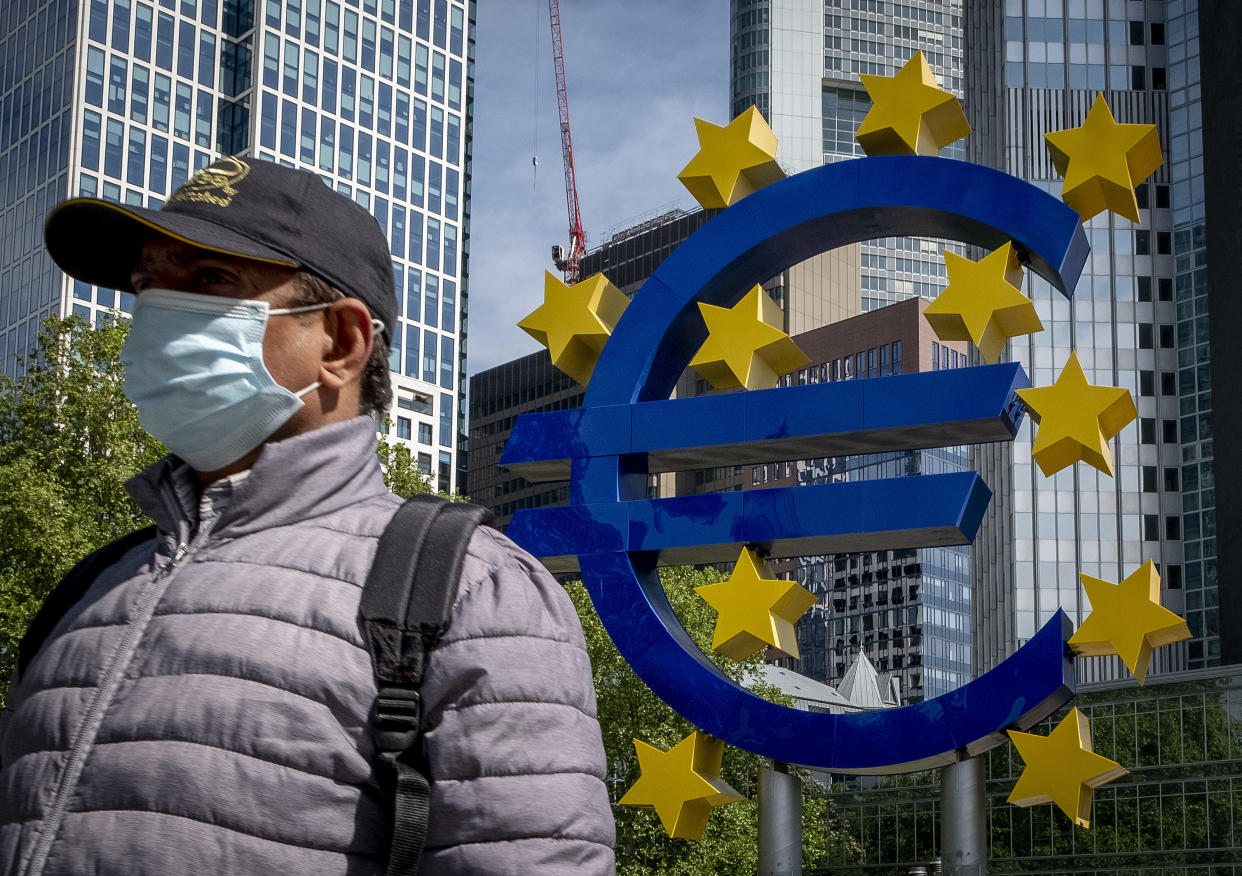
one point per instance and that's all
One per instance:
(628, 427)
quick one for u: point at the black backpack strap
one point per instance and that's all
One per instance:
(406, 607)
(71, 588)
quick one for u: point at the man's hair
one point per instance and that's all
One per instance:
(375, 391)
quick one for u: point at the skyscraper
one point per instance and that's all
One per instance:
(1035, 67)
(124, 99)
(799, 61)
(907, 611)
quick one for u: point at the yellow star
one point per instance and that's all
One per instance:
(732, 161)
(1061, 768)
(1103, 161)
(744, 347)
(1076, 419)
(983, 302)
(910, 113)
(753, 612)
(574, 322)
(1128, 620)
(681, 784)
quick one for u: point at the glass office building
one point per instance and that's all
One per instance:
(907, 610)
(124, 99)
(798, 61)
(1036, 66)
(1190, 286)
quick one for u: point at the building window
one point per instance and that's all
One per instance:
(1147, 383)
(424, 433)
(1151, 527)
(1142, 242)
(94, 76)
(1144, 288)
(1169, 428)
(446, 362)
(1168, 337)
(1173, 528)
(446, 420)
(446, 471)
(1149, 479)
(403, 428)
(1146, 337)
(1147, 430)
(1168, 383)
(429, 356)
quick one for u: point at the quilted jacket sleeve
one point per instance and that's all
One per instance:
(516, 759)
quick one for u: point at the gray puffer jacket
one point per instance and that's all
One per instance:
(204, 708)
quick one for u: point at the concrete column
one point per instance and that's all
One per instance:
(963, 819)
(780, 821)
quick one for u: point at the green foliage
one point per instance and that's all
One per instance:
(401, 473)
(629, 710)
(69, 440)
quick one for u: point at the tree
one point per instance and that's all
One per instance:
(628, 710)
(69, 440)
(401, 473)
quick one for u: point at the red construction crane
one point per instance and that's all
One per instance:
(567, 263)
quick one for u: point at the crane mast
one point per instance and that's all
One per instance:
(567, 263)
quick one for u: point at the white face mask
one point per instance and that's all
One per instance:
(194, 369)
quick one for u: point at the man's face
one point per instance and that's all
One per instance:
(292, 346)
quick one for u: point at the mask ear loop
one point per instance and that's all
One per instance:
(377, 325)
(282, 311)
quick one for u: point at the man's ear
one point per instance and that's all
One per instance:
(349, 344)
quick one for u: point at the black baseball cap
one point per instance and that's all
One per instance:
(242, 207)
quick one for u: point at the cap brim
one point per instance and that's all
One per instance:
(99, 242)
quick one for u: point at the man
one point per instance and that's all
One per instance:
(205, 707)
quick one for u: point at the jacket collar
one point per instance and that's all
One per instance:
(308, 475)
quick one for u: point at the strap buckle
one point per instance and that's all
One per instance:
(398, 711)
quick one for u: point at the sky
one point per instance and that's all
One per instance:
(638, 72)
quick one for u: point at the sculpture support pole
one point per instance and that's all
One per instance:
(963, 819)
(780, 821)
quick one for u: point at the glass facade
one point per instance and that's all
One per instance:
(36, 128)
(374, 96)
(1185, 160)
(814, 107)
(908, 611)
(1053, 57)
(1178, 811)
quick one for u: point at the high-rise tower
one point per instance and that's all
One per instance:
(1034, 67)
(123, 100)
(799, 62)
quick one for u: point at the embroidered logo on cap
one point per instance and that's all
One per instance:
(214, 183)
